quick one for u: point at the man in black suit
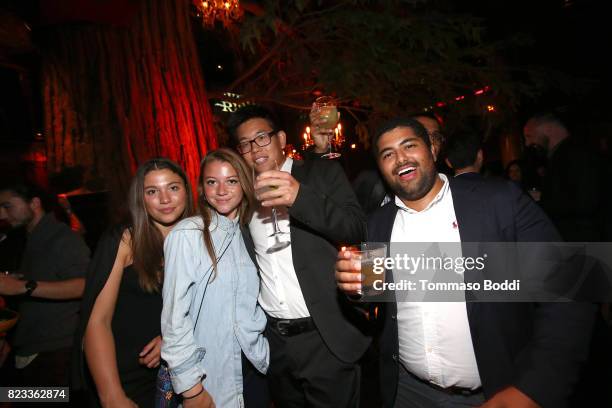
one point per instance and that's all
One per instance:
(458, 354)
(314, 345)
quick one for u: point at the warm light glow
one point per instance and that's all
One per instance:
(353, 146)
(490, 108)
(307, 129)
(225, 11)
(340, 126)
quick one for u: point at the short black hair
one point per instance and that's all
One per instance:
(411, 123)
(427, 115)
(462, 148)
(246, 113)
(29, 191)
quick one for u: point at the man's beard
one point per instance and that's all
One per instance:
(419, 188)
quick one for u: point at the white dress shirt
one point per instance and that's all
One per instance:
(280, 294)
(435, 343)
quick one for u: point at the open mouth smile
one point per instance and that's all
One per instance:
(406, 171)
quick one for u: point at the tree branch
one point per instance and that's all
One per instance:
(256, 66)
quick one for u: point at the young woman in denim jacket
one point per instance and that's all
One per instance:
(212, 325)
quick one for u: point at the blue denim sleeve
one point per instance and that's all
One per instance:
(179, 348)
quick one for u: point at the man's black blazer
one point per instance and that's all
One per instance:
(537, 348)
(324, 216)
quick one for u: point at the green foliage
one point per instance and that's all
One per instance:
(387, 57)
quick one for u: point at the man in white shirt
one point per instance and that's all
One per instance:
(314, 346)
(459, 354)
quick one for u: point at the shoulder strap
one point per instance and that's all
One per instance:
(224, 249)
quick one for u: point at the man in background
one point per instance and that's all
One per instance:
(573, 187)
(48, 284)
(464, 154)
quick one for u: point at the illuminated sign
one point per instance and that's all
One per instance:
(230, 106)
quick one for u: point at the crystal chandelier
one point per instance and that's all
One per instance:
(225, 11)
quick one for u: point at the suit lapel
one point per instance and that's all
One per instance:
(297, 170)
(466, 205)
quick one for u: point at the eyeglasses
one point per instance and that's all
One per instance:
(261, 140)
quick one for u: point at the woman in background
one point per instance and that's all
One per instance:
(212, 325)
(120, 322)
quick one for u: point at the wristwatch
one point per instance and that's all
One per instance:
(30, 286)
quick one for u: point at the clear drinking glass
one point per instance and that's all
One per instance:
(278, 244)
(326, 107)
(373, 274)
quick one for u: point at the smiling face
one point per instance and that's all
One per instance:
(407, 164)
(165, 197)
(222, 188)
(262, 158)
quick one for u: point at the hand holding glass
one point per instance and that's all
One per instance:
(278, 244)
(372, 272)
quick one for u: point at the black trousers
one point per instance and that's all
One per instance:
(254, 386)
(48, 369)
(304, 373)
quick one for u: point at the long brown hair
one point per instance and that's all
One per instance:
(245, 211)
(147, 242)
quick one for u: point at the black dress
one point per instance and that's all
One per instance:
(136, 322)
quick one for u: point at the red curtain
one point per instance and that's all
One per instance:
(116, 96)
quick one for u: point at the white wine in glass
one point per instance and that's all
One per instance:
(326, 108)
(278, 244)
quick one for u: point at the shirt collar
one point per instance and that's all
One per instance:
(439, 197)
(287, 165)
(223, 222)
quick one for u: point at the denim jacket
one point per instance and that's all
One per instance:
(229, 320)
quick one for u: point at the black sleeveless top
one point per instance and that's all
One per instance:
(136, 322)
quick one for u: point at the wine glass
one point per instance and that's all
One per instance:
(326, 108)
(278, 244)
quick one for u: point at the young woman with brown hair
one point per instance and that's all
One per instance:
(122, 304)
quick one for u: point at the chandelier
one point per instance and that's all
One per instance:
(225, 11)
